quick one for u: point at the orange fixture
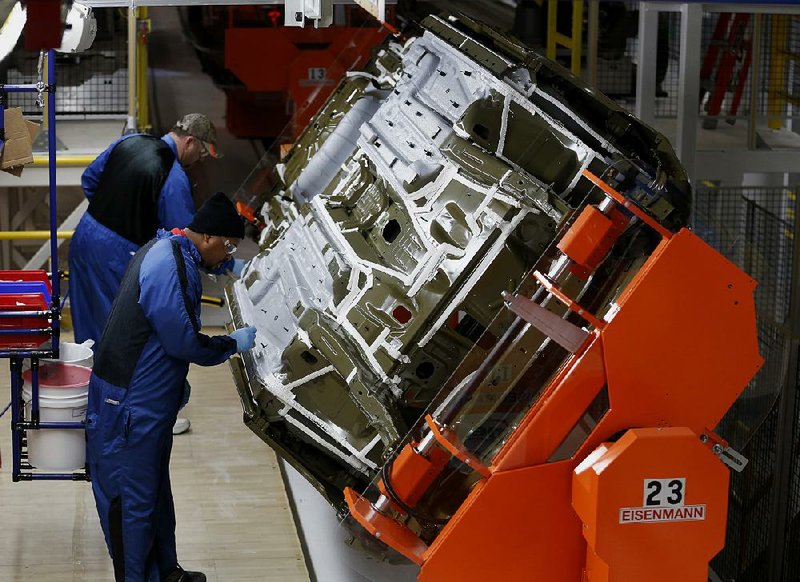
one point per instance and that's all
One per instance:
(608, 475)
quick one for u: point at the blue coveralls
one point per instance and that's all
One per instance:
(99, 255)
(135, 391)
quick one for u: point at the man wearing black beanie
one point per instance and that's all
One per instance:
(218, 215)
(138, 383)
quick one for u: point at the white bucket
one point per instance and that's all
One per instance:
(63, 396)
(77, 354)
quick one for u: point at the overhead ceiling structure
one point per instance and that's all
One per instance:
(297, 13)
(425, 187)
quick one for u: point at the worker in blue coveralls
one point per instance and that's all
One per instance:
(136, 186)
(136, 388)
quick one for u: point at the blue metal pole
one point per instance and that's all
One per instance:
(20, 88)
(10, 314)
(16, 434)
(24, 331)
(25, 353)
(54, 425)
(54, 477)
(51, 142)
(34, 391)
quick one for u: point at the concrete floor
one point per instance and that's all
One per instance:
(234, 521)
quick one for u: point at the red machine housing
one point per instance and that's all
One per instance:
(287, 73)
(44, 27)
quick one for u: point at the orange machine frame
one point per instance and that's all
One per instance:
(673, 355)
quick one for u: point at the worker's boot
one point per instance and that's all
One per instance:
(181, 575)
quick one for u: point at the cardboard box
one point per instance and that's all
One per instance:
(19, 134)
(33, 129)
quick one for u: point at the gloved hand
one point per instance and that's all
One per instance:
(220, 269)
(238, 267)
(245, 338)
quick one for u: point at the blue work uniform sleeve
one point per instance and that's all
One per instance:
(175, 205)
(171, 304)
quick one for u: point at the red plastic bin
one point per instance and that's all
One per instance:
(23, 302)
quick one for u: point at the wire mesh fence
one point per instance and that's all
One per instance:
(791, 564)
(754, 227)
(618, 43)
(735, 49)
(94, 82)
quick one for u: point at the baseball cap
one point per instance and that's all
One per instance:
(200, 127)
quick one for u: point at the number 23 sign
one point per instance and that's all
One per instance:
(661, 492)
(663, 501)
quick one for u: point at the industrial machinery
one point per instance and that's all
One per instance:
(485, 335)
(305, 64)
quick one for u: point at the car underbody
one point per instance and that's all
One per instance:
(424, 188)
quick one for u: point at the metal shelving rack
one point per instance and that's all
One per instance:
(22, 470)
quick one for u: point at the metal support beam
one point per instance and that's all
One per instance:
(297, 11)
(722, 164)
(591, 40)
(645, 73)
(131, 125)
(689, 85)
(755, 83)
(129, 3)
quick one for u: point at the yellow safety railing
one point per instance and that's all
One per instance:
(776, 98)
(64, 160)
(142, 66)
(33, 234)
(210, 300)
(555, 38)
(138, 103)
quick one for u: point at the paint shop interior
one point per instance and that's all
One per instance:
(524, 277)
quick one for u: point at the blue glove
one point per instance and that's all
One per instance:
(245, 338)
(238, 267)
(221, 269)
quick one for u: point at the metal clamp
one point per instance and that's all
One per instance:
(733, 459)
(730, 457)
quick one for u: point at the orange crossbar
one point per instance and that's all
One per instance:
(628, 204)
(572, 305)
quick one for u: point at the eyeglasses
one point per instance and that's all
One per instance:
(207, 149)
(230, 248)
(204, 153)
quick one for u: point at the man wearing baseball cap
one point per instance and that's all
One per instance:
(136, 186)
(199, 127)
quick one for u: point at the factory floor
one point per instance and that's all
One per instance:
(234, 520)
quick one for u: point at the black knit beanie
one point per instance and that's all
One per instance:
(218, 217)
